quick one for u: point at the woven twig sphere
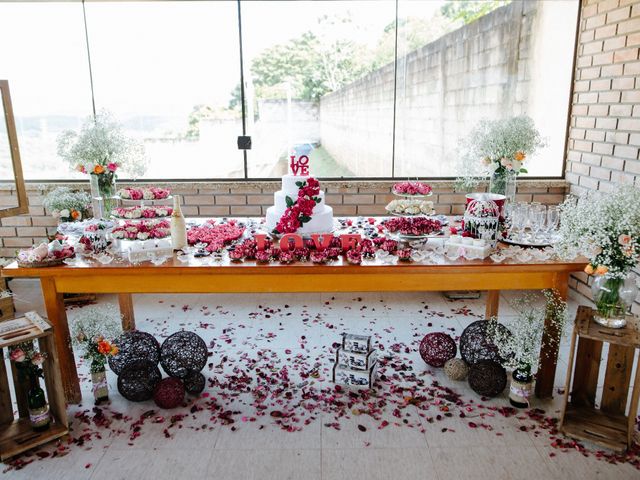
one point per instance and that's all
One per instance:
(183, 353)
(487, 378)
(194, 383)
(134, 346)
(169, 393)
(436, 348)
(456, 369)
(138, 380)
(476, 346)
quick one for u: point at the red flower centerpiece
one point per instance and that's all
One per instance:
(299, 211)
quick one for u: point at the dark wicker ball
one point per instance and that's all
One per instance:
(436, 348)
(138, 380)
(169, 393)
(183, 353)
(194, 383)
(487, 378)
(134, 346)
(475, 344)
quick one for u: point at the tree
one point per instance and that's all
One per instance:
(468, 11)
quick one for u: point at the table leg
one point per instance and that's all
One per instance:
(126, 310)
(549, 350)
(58, 317)
(493, 302)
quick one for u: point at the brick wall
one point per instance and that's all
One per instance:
(204, 199)
(604, 140)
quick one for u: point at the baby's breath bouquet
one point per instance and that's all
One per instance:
(605, 228)
(499, 147)
(67, 205)
(101, 147)
(95, 329)
(101, 150)
(521, 343)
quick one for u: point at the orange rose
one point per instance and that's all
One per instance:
(98, 169)
(601, 270)
(114, 350)
(75, 214)
(519, 156)
(104, 347)
(589, 270)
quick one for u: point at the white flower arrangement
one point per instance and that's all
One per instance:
(605, 228)
(520, 344)
(67, 205)
(102, 147)
(498, 146)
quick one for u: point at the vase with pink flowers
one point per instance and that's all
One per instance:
(101, 150)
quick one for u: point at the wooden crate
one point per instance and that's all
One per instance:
(79, 298)
(16, 435)
(609, 425)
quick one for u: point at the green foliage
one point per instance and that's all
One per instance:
(467, 11)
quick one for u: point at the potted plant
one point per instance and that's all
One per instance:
(605, 228)
(94, 330)
(28, 363)
(520, 344)
(67, 205)
(499, 148)
(101, 150)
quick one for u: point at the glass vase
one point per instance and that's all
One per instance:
(503, 182)
(613, 297)
(520, 388)
(103, 192)
(100, 387)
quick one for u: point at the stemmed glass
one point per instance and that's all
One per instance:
(519, 220)
(553, 219)
(537, 217)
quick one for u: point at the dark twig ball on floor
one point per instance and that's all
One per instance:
(169, 393)
(194, 383)
(183, 353)
(134, 346)
(436, 348)
(487, 378)
(138, 380)
(475, 344)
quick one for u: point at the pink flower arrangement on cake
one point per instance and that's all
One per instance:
(142, 212)
(413, 226)
(215, 236)
(299, 211)
(145, 193)
(411, 188)
(144, 230)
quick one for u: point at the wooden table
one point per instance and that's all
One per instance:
(195, 277)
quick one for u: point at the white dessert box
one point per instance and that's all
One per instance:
(467, 247)
(354, 343)
(354, 378)
(354, 360)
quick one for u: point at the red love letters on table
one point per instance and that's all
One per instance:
(322, 241)
(299, 167)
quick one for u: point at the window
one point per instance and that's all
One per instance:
(44, 57)
(385, 88)
(166, 70)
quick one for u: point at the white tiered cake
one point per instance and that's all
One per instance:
(322, 217)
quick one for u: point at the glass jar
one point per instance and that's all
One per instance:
(103, 192)
(503, 182)
(613, 297)
(520, 388)
(100, 387)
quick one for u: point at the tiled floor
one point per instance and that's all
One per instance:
(296, 331)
